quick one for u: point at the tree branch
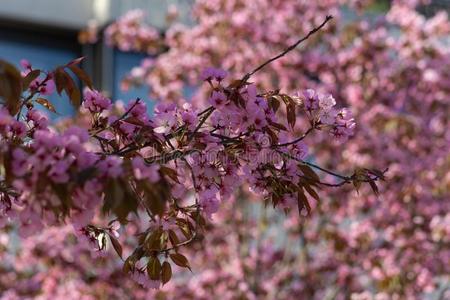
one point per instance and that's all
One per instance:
(287, 50)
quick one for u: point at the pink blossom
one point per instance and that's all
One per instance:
(310, 99)
(95, 101)
(213, 73)
(218, 100)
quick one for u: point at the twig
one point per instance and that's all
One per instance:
(343, 177)
(287, 50)
(119, 119)
(32, 94)
(296, 140)
(208, 112)
(197, 217)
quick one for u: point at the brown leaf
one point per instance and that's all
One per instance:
(134, 121)
(173, 238)
(277, 125)
(128, 265)
(302, 202)
(154, 268)
(377, 173)
(61, 190)
(46, 103)
(155, 196)
(186, 231)
(273, 136)
(72, 90)
(237, 83)
(166, 272)
(64, 81)
(154, 241)
(312, 192)
(10, 86)
(116, 245)
(180, 260)
(119, 199)
(76, 61)
(357, 185)
(82, 75)
(60, 80)
(309, 172)
(274, 103)
(32, 75)
(374, 187)
(171, 173)
(291, 115)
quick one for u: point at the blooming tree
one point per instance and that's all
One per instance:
(117, 165)
(391, 69)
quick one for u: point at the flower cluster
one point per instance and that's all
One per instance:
(131, 33)
(175, 169)
(42, 86)
(95, 102)
(177, 166)
(321, 109)
(392, 71)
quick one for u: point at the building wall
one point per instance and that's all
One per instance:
(74, 14)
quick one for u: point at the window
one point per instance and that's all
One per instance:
(45, 50)
(123, 63)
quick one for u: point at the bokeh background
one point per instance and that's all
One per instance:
(389, 61)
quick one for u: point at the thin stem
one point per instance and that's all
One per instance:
(287, 50)
(197, 217)
(298, 139)
(210, 110)
(166, 157)
(346, 178)
(204, 111)
(32, 94)
(119, 119)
